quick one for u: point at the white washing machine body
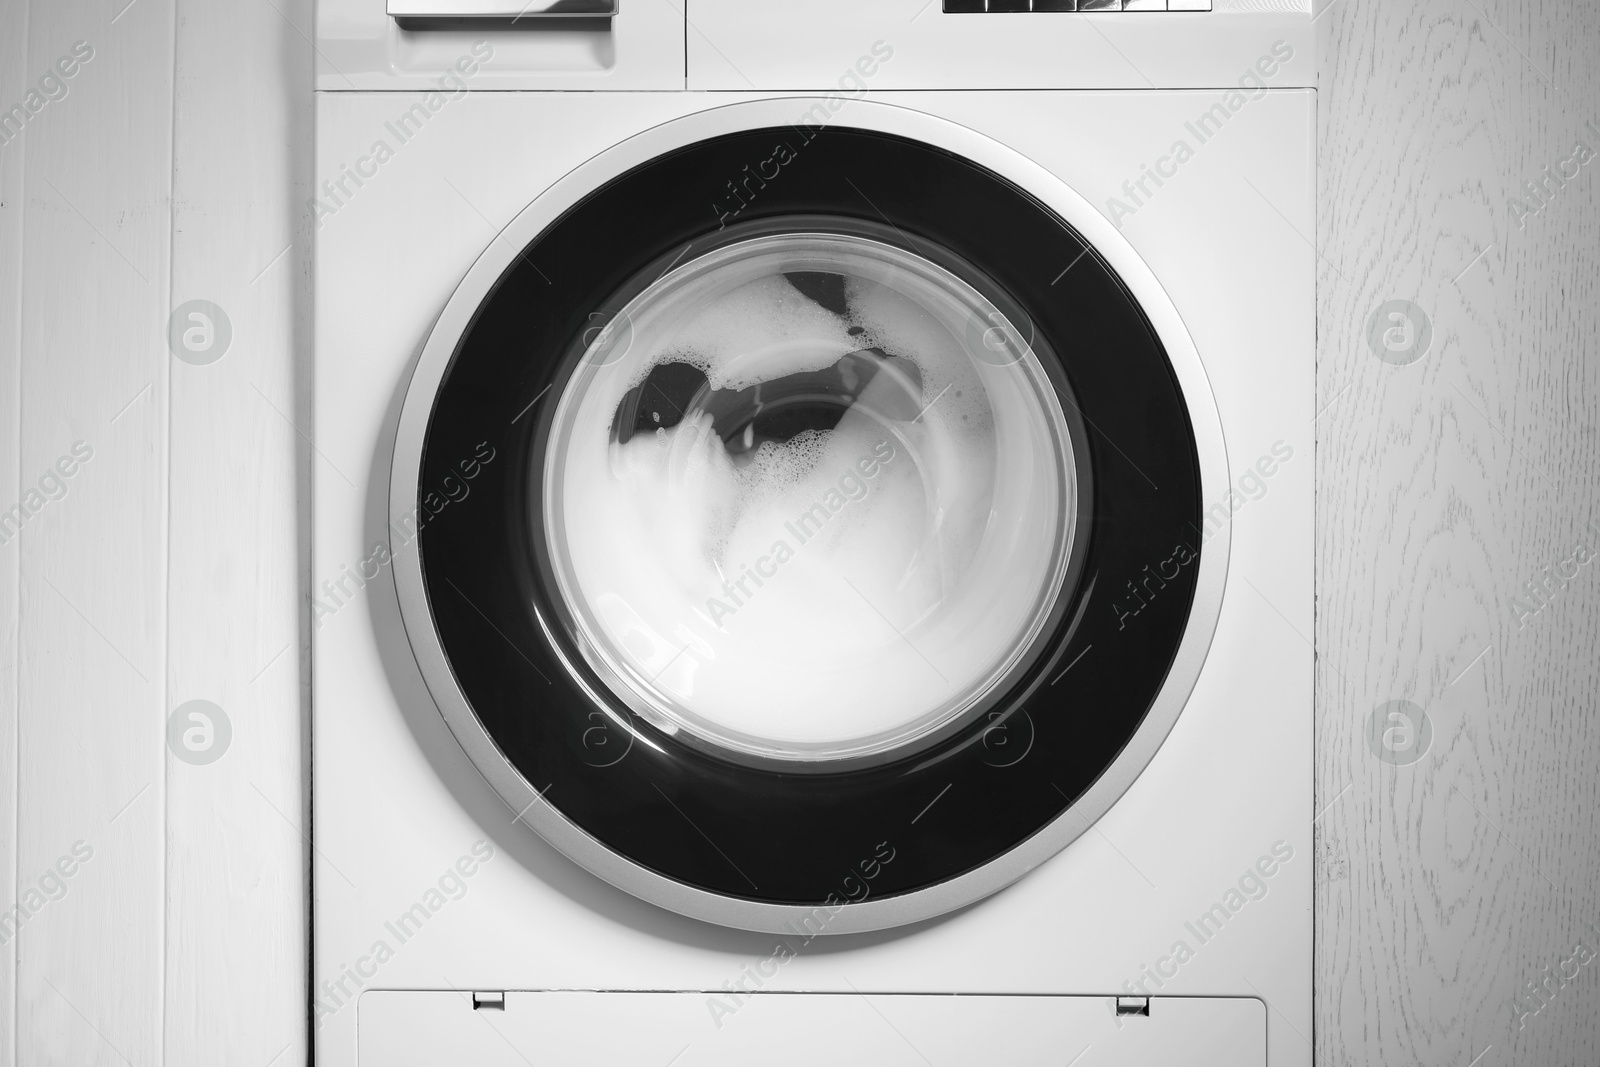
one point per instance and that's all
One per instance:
(461, 910)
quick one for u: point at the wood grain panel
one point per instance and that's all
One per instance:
(236, 887)
(1444, 486)
(91, 647)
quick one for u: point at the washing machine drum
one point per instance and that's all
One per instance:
(807, 536)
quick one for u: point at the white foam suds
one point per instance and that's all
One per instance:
(839, 586)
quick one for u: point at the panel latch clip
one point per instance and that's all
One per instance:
(1133, 1006)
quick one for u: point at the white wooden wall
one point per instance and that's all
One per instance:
(174, 169)
(1444, 486)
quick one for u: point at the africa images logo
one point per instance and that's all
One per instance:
(345, 984)
(53, 485)
(338, 592)
(743, 190)
(1252, 86)
(1251, 886)
(53, 86)
(855, 887)
(48, 888)
(1251, 486)
(852, 488)
(1551, 182)
(337, 192)
(1399, 332)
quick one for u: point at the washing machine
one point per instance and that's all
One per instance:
(812, 532)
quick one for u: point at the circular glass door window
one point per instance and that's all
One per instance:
(827, 546)
(809, 498)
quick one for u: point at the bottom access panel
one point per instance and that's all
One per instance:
(445, 1028)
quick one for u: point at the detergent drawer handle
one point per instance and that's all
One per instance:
(514, 10)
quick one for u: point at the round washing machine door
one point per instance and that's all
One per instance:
(833, 551)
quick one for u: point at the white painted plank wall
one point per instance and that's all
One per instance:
(13, 56)
(236, 827)
(91, 645)
(171, 169)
